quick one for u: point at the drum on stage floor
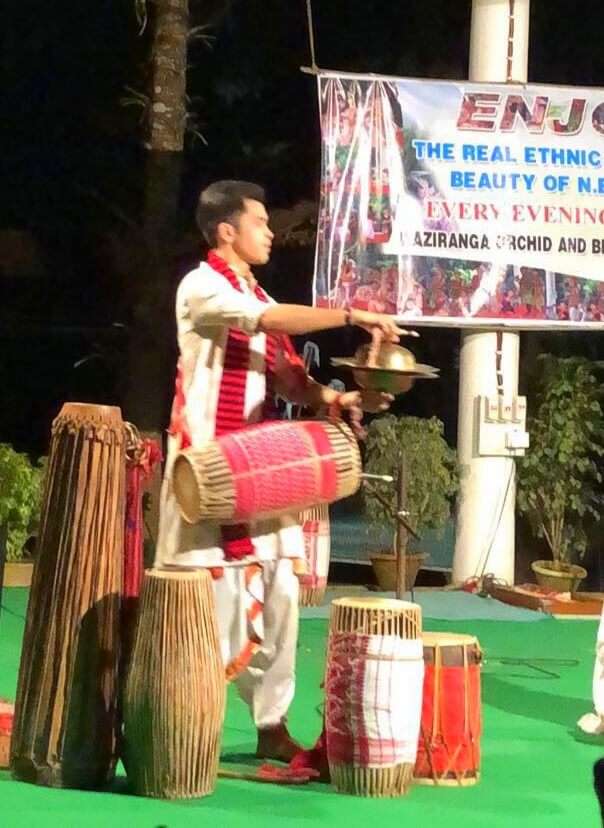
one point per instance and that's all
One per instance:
(373, 693)
(449, 742)
(65, 726)
(175, 693)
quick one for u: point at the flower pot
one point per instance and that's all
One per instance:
(384, 567)
(18, 573)
(558, 577)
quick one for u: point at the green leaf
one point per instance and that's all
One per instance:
(21, 485)
(556, 481)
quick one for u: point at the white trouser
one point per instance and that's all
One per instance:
(267, 684)
(594, 722)
(598, 677)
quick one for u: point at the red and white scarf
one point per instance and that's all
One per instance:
(230, 413)
(230, 416)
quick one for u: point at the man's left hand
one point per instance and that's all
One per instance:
(366, 400)
(358, 402)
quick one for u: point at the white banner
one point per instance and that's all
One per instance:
(460, 202)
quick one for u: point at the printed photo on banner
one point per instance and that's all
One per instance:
(457, 203)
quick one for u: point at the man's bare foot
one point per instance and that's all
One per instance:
(276, 743)
(592, 724)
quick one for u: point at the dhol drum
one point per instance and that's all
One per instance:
(373, 692)
(449, 743)
(175, 693)
(317, 544)
(267, 470)
(65, 728)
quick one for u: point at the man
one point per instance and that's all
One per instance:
(234, 355)
(593, 723)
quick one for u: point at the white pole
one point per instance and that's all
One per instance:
(490, 40)
(486, 514)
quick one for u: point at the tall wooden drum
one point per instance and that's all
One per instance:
(65, 725)
(449, 743)
(317, 546)
(373, 694)
(175, 693)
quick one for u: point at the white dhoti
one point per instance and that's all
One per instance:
(267, 683)
(593, 723)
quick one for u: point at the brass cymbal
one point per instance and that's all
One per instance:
(394, 372)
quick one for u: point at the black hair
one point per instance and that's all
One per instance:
(224, 201)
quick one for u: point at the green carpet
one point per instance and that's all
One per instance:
(536, 769)
(454, 605)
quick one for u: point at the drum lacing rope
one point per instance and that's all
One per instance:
(134, 442)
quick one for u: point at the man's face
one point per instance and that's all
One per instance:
(251, 236)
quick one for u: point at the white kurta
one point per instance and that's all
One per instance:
(206, 307)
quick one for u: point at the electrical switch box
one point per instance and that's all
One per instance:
(500, 426)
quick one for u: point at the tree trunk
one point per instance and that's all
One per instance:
(150, 372)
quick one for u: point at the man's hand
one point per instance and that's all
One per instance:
(366, 400)
(358, 402)
(377, 321)
(382, 327)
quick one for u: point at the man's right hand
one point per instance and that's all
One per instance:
(382, 327)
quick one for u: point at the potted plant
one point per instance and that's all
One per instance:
(432, 482)
(20, 500)
(559, 481)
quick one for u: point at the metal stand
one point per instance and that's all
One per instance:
(401, 530)
(403, 527)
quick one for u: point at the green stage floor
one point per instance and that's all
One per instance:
(536, 769)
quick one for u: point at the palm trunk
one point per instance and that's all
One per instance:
(169, 76)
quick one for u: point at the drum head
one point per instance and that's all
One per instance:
(186, 489)
(176, 573)
(374, 604)
(453, 649)
(446, 639)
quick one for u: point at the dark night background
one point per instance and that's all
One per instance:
(74, 163)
